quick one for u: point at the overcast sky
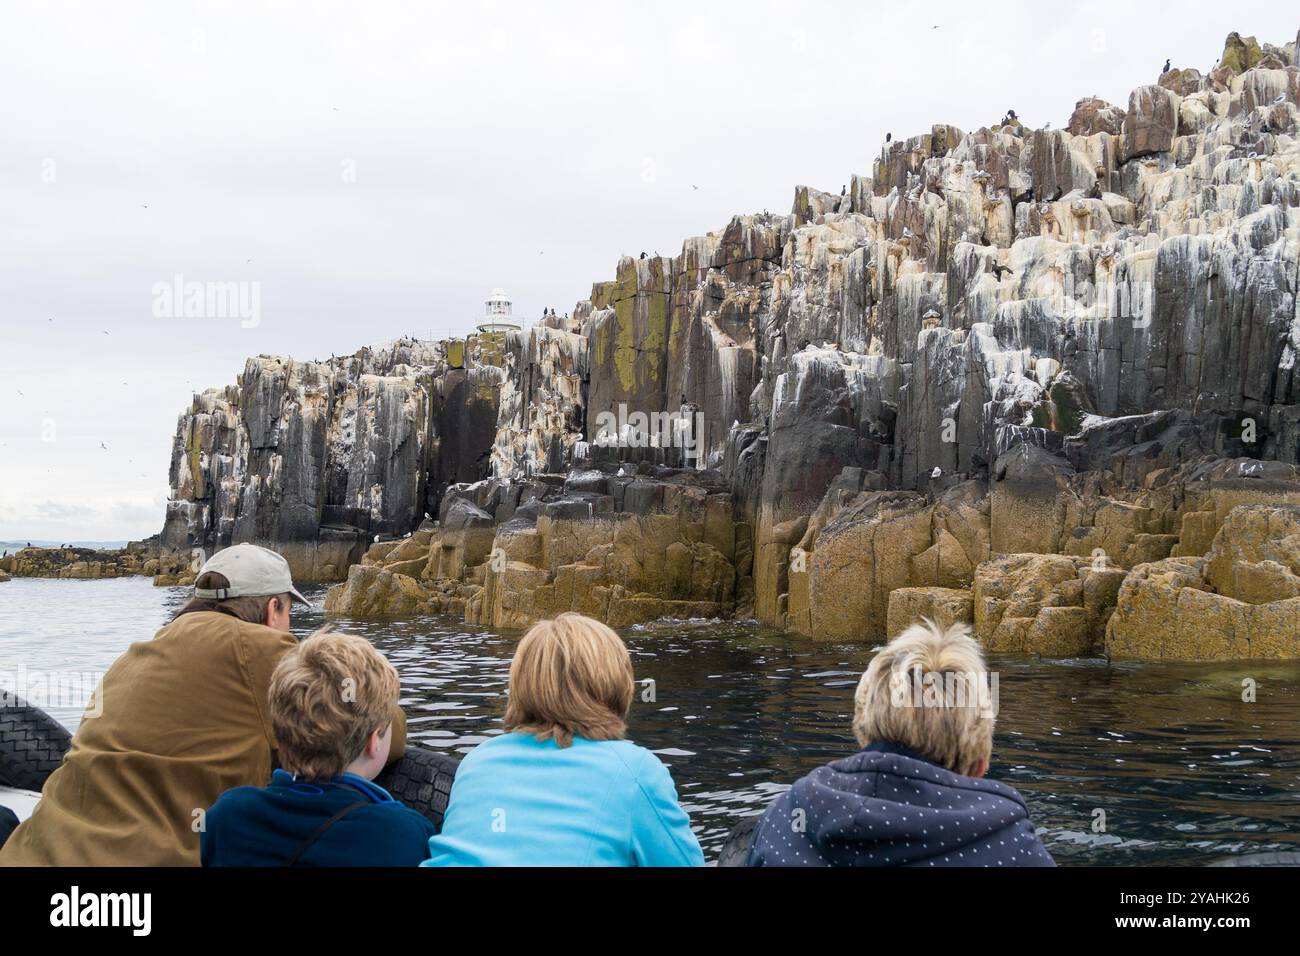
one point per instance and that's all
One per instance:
(375, 169)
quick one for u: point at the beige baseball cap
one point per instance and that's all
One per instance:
(252, 572)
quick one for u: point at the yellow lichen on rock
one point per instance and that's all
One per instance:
(1240, 601)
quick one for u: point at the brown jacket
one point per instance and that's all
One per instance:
(184, 718)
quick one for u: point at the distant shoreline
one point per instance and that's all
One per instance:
(76, 543)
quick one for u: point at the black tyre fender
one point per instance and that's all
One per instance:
(735, 850)
(32, 744)
(421, 779)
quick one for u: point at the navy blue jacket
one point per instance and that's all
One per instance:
(885, 806)
(264, 826)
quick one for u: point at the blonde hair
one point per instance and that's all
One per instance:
(570, 677)
(955, 731)
(328, 695)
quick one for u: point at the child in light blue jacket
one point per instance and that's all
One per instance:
(561, 787)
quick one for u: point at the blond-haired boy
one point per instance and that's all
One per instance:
(331, 704)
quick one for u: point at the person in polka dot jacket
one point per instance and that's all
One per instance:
(915, 795)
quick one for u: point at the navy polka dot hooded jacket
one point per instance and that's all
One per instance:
(886, 806)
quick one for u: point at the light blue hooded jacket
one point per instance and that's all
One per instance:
(520, 801)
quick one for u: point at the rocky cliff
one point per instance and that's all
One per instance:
(1007, 376)
(316, 458)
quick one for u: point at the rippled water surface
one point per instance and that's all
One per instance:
(1184, 770)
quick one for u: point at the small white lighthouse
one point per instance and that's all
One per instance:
(498, 315)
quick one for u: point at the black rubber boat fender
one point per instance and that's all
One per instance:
(735, 851)
(32, 744)
(421, 780)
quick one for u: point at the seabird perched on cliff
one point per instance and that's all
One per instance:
(1166, 69)
(1011, 114)
(843, 190)
(888, 137)
(999, 270)
(937, 472)
(642, 255)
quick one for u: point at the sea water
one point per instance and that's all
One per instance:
(1120, 764)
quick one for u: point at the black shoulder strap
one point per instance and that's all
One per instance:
(320, 831)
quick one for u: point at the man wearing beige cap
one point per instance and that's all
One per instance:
(180, 719)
